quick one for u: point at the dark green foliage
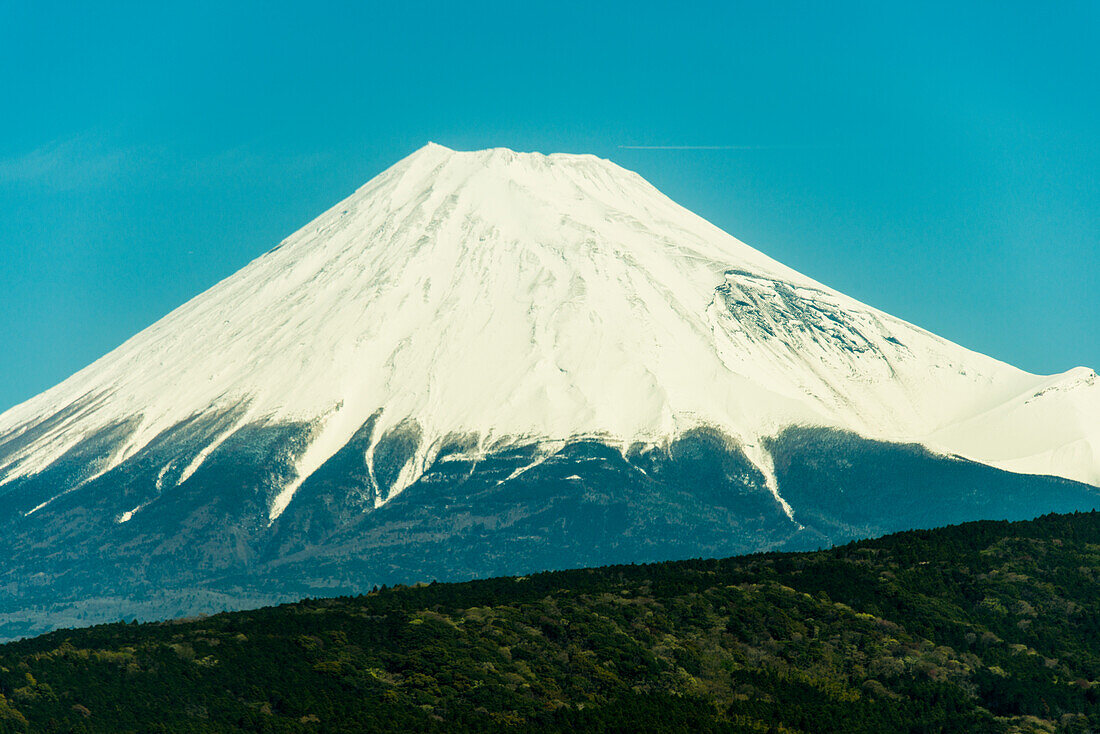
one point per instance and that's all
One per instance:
(984, 627)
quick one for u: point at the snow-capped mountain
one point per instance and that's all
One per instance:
(461, 305)
(518, 296)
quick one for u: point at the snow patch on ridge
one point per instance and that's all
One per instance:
(208, 449)
(336, 429)
(762, 460)
(129, 514)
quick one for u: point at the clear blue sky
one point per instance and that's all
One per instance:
(939, 162)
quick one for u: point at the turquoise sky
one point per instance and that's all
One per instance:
(939, 161)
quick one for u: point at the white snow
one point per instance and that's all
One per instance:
(128, 515)
(38, 507)
(1051, 428)
(521, 296)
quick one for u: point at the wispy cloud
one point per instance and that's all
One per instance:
(70, 163)
(90, 160)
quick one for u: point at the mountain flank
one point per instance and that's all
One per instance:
(488, 363)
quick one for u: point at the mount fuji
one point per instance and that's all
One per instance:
(496, 362)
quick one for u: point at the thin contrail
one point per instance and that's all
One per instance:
(716, 147)
(691, 147)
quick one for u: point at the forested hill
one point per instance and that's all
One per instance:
(983, 627)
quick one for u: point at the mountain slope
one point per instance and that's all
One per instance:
(549, 363)
(515, 296)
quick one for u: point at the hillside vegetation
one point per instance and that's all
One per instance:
(982, 627)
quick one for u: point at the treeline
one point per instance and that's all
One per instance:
(983, 627)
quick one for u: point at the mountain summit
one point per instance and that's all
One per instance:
(462, 305)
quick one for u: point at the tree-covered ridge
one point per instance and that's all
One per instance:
(983, 627)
